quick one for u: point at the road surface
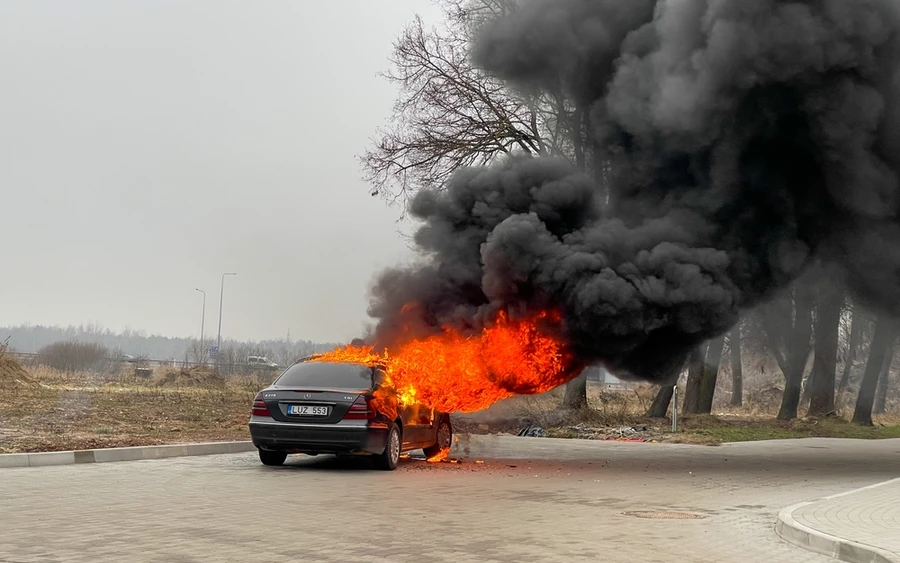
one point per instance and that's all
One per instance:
(531, 500)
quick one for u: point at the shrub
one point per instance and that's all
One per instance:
(71, 356)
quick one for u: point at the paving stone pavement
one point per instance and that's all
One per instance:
(531, 500)
(869, 517)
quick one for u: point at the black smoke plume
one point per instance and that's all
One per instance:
(748, 139)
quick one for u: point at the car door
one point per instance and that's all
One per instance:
(427, 426)
(409, 416)
(407, 413)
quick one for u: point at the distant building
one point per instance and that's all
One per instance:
(599, 374)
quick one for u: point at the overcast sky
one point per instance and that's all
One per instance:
(148, 146)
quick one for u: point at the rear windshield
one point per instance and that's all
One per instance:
(321, 374)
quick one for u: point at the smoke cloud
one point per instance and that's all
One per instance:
(747, 140)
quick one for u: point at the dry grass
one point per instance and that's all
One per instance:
(616, 415)
(46, 410)
(606, 408)
(82, 410)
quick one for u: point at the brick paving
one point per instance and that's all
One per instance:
(870, 517)
(533, 499)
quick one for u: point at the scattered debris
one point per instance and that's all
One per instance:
(533, 432)
(629, 430)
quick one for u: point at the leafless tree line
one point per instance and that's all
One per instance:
(814, 346)
(72, 356)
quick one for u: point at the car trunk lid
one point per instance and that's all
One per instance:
(311, 405)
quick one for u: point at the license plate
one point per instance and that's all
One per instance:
(308, 410)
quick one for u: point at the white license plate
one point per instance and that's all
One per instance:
(308, 410)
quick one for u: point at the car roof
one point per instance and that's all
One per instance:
(306, 359)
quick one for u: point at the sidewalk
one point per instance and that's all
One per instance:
(861, 526)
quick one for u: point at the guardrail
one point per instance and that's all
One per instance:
(31, 358)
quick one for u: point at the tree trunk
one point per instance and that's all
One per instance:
(806, 388)
(883, 381)
(856, 324)
(821, 381)
(598, 160)
(578, 136)
(796, 354)
(884, 335)
(737, 369)
(711, 374)
(695, 379)
(576, 392)
(790, 400)
(660, 405)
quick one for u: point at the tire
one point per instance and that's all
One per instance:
(444, 440)
(272, 458)
(389, 459)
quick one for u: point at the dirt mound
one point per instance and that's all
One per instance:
(193, 377)
(13, 375)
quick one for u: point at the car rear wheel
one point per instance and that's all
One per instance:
(389, 459)
(272, 458)
(441, 447)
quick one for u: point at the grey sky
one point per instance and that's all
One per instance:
(147, 147)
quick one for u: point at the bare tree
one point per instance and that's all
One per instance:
(881, 393)
(660, 405)
(856, 331)
(788, 326)
(711, 374)
(694, 386)
(196, 352)
(821, 380)
(575, 396)
(737, 368)
(451, 114)
(661, 401)
(885, 332)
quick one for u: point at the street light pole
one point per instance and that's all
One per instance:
(202, 356)
(221, 295)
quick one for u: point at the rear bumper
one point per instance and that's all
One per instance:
(311, 438)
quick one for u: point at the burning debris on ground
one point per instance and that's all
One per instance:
(734, 144)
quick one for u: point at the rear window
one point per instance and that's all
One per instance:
(321, 374)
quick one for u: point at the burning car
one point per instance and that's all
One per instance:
(343, 408)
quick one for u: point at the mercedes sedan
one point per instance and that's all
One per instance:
(331, 408)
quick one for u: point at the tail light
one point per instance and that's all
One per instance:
(259, 407)
(360, 410)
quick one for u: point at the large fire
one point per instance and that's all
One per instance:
(451, 371)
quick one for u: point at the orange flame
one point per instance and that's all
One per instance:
(439, 457)
(453, 372)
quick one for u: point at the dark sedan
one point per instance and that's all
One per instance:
(330, 408)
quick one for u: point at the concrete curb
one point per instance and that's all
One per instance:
(104, 455)
(819, 542)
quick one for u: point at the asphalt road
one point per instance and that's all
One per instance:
(532, 499)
